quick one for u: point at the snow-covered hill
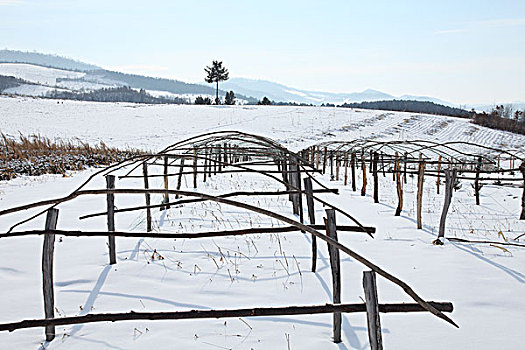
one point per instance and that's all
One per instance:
(485, 283)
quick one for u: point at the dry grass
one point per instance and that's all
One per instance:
(38, 155)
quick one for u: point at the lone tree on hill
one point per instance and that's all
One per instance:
(216, 73)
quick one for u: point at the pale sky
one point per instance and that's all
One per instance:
(461, 51)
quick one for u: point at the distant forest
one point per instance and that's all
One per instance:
(7, 82)
(119, 94)
(411, 106)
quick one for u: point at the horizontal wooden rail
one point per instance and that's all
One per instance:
(193, 314)
(249, 231)
(226, 195)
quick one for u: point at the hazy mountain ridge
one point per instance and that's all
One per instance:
(279, 92)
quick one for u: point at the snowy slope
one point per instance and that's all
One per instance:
(486, 284)
(37, 74)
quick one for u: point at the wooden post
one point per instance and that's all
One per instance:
(420, 179)
(148, 197)
(110, 200)
(476, 181)
(317, 157)
(47, 270)
(332, 166)
(337, 161)
(438, 174)
(311, 217)
(383, 164)
(522, 169)
(179, 180)
(194, 167)
(346, 169)
(450, 179)
(363, 165)
(324, 159)
(405, 168)
(336, 270)
(352, 161)
(219, 158)
(205, 165)
(166, 183)
(374, 173)
(397, 170)
(372, 310)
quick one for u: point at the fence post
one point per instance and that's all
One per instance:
(311, 216)
(345, 161)
(324, 159)
(376, 182)
(179, 180)
(352, 162)
(363, 165)
(405, 168)
(522, 169)
(476, 181)
(47, 270)
(372, 310)
(205, 165)
(194, 167)
(148, 197)
(331, 231)
(397, 170)
(449, 189)
(438, 174)
(166, 184)
(110, 201)
(420, 181)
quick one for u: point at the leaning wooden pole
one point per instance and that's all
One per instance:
(110, 200)
(335, 263)
(47, 271)
(179, 180)
(372, 310)
(450, 178)
(311, 217)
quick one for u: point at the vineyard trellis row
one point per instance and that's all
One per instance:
(208, 155)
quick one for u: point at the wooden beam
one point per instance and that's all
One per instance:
(47, 271)
(372, 310)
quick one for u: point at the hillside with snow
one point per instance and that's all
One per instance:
(485, 283)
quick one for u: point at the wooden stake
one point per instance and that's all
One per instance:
(476, 181)
(522, 169)
(363, 165)
(372, 310)
(47, 271)
(420, 179)
(405, 168)
(324, 159)
(346, 168)
(450, 179)
(374, 173)
(110, 200)
(399, 184)
(194, 167)
(166, 184)
(352, 161)
(148, 197)
(205, 165)
(438, 174)
(179, 180)
(311, 217)
(335, 264)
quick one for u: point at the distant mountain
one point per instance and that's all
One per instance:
(46, 60)
(279, 92)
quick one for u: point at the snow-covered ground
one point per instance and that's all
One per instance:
(485, 283)
(37, 74)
